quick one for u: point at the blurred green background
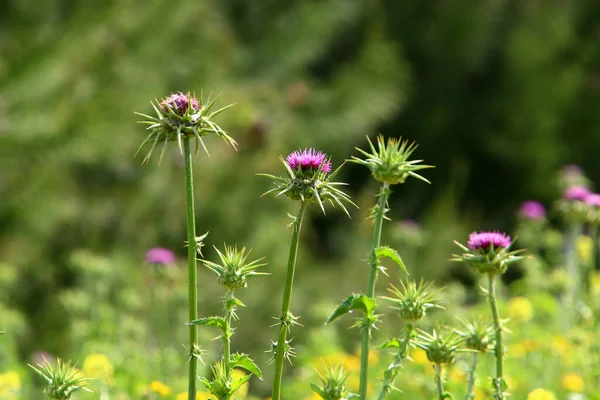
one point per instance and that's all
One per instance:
(499, 95)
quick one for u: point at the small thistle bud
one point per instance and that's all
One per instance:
(160, 256)
(488, 252)
(532, 210)
(181, 116)
(389, 163)
(573, 206)
(288, 351)
(478, 336)
(412, 300)
(333, 383)
(234, 270)
(309, 179)
(592, 200)
(62, 380)
(440, 347)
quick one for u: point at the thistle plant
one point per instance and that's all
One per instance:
(308, 179)
(62, 379)
(181, 118)
(489, 253)
(233, 272)
(593, 219)
(441, 348)
(479, 338)
(412, 301)
(389, 164)
(333, 384)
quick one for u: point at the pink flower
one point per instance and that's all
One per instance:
(592, 199)
(308, 159)
(576, 193)
(485, 240)
(532, 209)
(179, 103)
(161, 256)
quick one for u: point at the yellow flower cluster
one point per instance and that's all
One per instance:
(199, 396)
(541, 394)
(10, 384)
(520, 309)
(98, 366)
(572, 383)
(160, 388)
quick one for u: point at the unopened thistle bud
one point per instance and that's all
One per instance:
(390, 163)
(440, 347)
(333, 384)
(573, 206)
(62, 380)
(412, 300)
(478, 336)
(308, 179)
(234, 270)
(182, 116)
(488, 252)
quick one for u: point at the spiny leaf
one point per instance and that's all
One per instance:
(219, 322)
(245, 362)
(385, 251)
(354, 302)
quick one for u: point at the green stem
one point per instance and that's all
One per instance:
(571, 261)
(192, 271)
(366, 333)
(438, 380)
(471, 387)
(592, 267)
(286, 317)
(499, 349)
(392, 372)
(226, 337)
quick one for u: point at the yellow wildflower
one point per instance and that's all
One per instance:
(419, 357)
(560, 345)
(585, 245)
(520, 309)
(160, 388)
(350, 362)
(10, 383)
(573, 383)
(199, 396)
(98, 366)
(237, 375)
(541, 394)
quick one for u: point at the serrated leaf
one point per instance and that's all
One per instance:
(219, 322)
(385, 251)
(393, 343)
(354, 302)
(245, 362)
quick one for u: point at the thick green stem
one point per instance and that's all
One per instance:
(392, 372)
(286, 317)
(192, 271)
(366, 333)
(470, 395)
(226, 337)
(499, 349)
(438, 381)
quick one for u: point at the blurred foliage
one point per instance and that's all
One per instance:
(499, 94)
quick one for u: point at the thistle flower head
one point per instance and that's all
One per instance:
(478, 335)
(234, 269)
(412, 300)
(222, 384)
(592, 199)
(160, 256)
(389, 162)
(576, 193)
(488, 241)
(440, 347)
(488, 252)
(180, 117)
(309, 179)
(333, 384)
(308, 161)
(532, 210)
(62, 380)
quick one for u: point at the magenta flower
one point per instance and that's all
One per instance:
(576, 193)
(179, 103)
(161, 256)
(485, 240)
(592, 199)
(308, 159)
(532, 209)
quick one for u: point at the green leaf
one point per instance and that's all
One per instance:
(393, 343)
(385, 251)
(354, 302)
(318, 391)
(245, 362)
(219, 322)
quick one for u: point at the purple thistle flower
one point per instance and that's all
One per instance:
(179, 103)
(308, 159)
(576, 193)
(593, 199)
(161, 256)
(483, 240)
(532, 209)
